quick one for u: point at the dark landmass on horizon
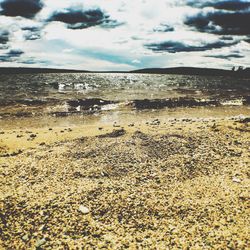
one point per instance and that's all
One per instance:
(175, 70)
(195, 71)
(21, 70)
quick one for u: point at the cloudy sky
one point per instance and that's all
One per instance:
(124, 34)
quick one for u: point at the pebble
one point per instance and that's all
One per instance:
(155, 122)
(40, 242)
(25, 237)
(235, 179)
(41, 227)
(83, 209)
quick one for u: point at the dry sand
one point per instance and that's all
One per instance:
(162, 184)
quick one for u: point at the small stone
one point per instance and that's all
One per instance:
(25, 237)
(40, 242)
(235, 179)
(41, 228)
(244, 197)
(83, 209)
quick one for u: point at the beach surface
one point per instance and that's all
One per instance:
(148, 181)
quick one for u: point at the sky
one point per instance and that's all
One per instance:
(124, 34)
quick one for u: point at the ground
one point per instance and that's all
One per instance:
(153, 184)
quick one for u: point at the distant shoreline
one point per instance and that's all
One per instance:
(176, 70)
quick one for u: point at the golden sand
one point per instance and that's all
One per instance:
(153, 184)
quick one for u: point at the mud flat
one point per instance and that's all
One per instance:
(178, 183)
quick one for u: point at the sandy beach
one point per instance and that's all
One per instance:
(152, 184)
(124, 125)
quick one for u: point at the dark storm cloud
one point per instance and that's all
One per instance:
(15, 53)
(24, 8)
(4, 36)
(173, 46)
(233, 5)
(11, 55)
(32, 33)
(79, 19)
(220, 22)
(229, 56)
(163, 28)
(227, 38)
(31, 29)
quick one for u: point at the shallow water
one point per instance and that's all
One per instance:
(126, 117)
(30, 94)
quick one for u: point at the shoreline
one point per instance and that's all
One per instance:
(19, 134)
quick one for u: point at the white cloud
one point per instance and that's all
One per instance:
(136, 61)
(122, 47)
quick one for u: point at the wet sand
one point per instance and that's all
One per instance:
(147, 183)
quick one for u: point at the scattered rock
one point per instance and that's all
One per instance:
(114, 133)
(246, 120)
(25, 237)
(214, 126)
(131, 188)
(155, 122)
(172, 103)
(12, 154)
(41, 227)
(235, 179)
(83, 209)
(116, 125)
(40, 242)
